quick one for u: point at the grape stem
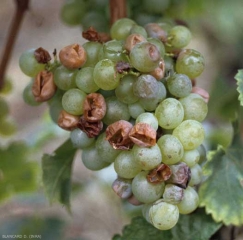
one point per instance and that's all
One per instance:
(117, 10)
(21, 7)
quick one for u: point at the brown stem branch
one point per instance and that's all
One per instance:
(117, 10)
(21, 7)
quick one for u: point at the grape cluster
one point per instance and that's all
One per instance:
(77, 12)
(131, 101)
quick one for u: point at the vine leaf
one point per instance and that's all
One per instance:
(140, 229)
(57, 173)
(189, 227)
(239, 80)
(17, 174)
(221, 193)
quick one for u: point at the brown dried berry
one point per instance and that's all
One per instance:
(94, 107)
(181, 175)
(42, 56)
(93, 36)
(143, 135)
(67, 121)
(92, 129)
(73, 56)
(159, 174)
(118, 135)
(104, 37)
(132, 40)
(44, 87)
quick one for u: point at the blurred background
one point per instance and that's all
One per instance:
(97, 213)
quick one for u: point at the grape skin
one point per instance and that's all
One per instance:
(190, 133)
(163, 215)
(145, 191)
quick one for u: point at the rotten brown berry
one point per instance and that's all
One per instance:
(42, 55)
(73, 56)
(67, 121)
(44, 87)
(94, 107)
(117, 134)
(132, 40)
(181, 175)
(160, 174)
(92, 129)
(143, 135)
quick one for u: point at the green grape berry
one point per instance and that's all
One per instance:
(145, 191)
(73, 101)
(28, 63)
(190, 62)
(179, 36)
(105, 75)
(28, 95)
(190, 133)
(145, 57)
(121, 28)
(163, 215)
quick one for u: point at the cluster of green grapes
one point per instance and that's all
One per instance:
(131, 101)
(7, 124)
(77, 12)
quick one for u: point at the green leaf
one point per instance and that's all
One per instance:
(17, 174)
(140, 229)
(57, 173)
(48, 228)
(223, 100)
(222, 192)
(239, 80)
(196, 226)
(189, 227)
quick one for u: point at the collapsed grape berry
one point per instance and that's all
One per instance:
(130, 102)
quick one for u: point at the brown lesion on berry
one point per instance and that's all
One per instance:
(159, 72)
(44, 87)
(159, 174)
(93, 36)
(42, 55)
(92, 129)
(123, 67)
(67, 121)
(143, 135)
(132, 40)
(118, 135)
(181, 175)
(94, 107)
(155, 31)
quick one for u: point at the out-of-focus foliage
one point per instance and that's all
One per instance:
(239, 79)
(17, 173)
(57, 173)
